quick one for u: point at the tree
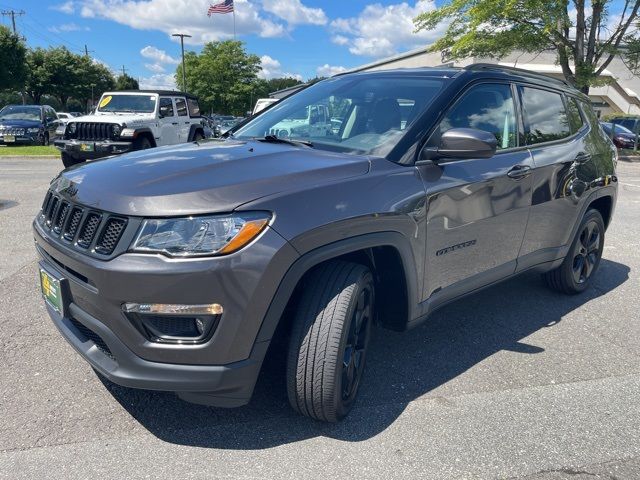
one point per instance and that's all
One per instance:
(12, 59)
(581, 33)
(222, 76)
(38, 79)
(126, 82)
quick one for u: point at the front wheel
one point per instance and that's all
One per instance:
(44, 141)
(329, 340)
(141, 143)
(582, 260)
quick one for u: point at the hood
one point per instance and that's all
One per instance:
(190, 179)
(129, 118)
(21, 123)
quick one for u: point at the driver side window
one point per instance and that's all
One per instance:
(166, 107)
(487, 107)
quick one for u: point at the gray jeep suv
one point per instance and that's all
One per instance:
(171, 269)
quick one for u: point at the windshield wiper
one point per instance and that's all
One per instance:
(274, 139)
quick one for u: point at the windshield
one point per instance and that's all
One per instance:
(127, 103)
(20, 112)
(618, 128)
(351, 114)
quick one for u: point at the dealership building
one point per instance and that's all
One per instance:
(620, 95)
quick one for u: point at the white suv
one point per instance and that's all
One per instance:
(130, 120)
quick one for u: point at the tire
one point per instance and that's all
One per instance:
(329, 339)
(68, 160)
(198, 137)
(582, 261)
(45, 140)
(141, 143)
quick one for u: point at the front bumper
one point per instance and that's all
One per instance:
(221, 371)
(26, 139)
(89, 149)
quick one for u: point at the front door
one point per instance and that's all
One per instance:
(168, 122)
(477, 209)
(183, 119)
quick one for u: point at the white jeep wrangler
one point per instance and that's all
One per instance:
(130, 120)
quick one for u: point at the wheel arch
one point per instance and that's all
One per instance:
(145, 133)
(387, 253)
(604, 205)
(195, 128)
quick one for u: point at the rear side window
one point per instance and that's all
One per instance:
(166, 107)
(487, 107)
(545, 116)
(181, 106)
(573, 114)
(194, 108)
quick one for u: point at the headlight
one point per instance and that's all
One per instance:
(116, 130)
(72, 128)
(199, 236)
(33, 130)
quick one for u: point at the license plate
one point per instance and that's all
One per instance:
(9, 138)
(87, 147)
(51, 290)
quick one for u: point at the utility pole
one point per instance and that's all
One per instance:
(124, 71)
(184, 72)
(12, 14)
(87, 51)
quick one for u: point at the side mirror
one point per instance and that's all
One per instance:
(463, 143)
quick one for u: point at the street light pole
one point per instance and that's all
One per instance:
(184, 73)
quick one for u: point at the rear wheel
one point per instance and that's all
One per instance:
(329, 340)
(68, 160)
(582, 260)
(198, 137)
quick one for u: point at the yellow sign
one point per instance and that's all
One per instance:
(105, 101)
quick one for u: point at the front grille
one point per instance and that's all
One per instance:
(12, 131)
(93, 131)
(94, 337)
(85, 229)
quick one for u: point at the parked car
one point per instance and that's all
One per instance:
(176, 270)
(312, 120)
(64, 117)
(130, 120)
(631, 122)
(621, 136)
(27, 124)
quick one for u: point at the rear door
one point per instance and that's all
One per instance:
(169, 127)
(477, 209)
(564, 166)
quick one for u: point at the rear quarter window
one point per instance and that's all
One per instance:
(573, 114)
(545, 116)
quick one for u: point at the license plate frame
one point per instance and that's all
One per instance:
(9, 139)
(87, 147)
(52, 290)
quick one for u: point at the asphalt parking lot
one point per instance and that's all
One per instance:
(513, 382)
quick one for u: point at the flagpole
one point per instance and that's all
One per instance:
(234, 23)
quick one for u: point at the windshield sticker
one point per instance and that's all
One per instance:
(105, 101)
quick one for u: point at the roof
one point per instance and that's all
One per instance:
(173, 93)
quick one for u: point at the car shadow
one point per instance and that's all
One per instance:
(401, 368)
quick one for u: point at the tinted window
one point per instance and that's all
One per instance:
(545, 116)
(487, 107)
(166, 106)
(181, 106)
(194, 108)
(573, 112)
(626, 122)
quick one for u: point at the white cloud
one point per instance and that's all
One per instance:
(154, 67)
(380, 31)
(68, 27)
(327, 70)
(271, 68)
(159, 81)
(159, 56)
(66, 7)
(294, 12)
(184, 16)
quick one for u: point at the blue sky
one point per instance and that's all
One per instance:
(293, 37)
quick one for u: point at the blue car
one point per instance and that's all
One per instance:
(27, 124)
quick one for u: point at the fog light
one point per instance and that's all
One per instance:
(174, 323)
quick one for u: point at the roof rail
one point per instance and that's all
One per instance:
(518, 71)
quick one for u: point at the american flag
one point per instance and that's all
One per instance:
(222, 7)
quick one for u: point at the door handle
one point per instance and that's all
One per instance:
(582, 157)
(174, 123)
(519, 171)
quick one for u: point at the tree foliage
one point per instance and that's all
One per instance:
(586, 36)
(223, 76)
(126, 82)
(12, 60)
